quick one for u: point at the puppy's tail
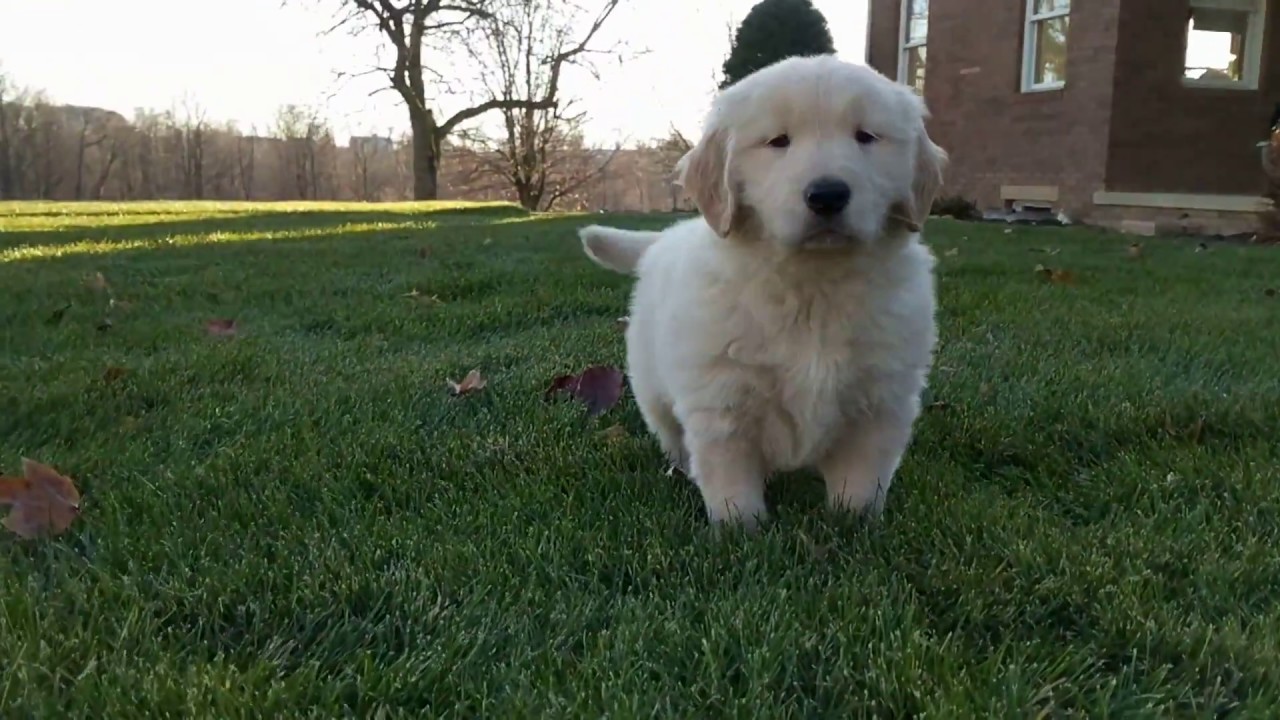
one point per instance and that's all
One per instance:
(614, 248)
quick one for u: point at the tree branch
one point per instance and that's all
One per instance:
(462, 116)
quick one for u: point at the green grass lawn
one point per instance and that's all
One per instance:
(300, 520)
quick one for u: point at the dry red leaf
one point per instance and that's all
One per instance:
(472, 382)
(42, 501)
(599, 387)
(221, 327)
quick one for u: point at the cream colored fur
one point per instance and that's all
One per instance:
(765, 338)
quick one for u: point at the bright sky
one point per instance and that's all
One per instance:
(247, 57)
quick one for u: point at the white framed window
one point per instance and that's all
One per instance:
(913, 42)
(1224, 43)
(1044, 47)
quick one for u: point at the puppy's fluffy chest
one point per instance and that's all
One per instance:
(799, 359)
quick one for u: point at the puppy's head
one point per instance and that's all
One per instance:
(818, 153)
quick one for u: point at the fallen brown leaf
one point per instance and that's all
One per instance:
(1057, 276)
(113, 374)
(471, 383)
(599, 387)
(415, 295)
(1135, 251)
(57, 315)
(1196, 431)
(97, 282)
(1192, 434)
(221, 327)
(43, 502)
(614, 433)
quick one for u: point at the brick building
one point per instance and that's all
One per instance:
(1145, 114)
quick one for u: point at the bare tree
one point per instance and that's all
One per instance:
(370, 154)
(91, 133)
(45, 135)
(193, 127)
(307, 146)
(522, 47)
(7, 189)
(113, 140)
(414, 26)
(59, 152)
(672, 148)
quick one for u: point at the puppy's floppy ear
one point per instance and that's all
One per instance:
(926, 179)
(706, 174)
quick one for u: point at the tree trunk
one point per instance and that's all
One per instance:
(100, 185)
(80, 151)
(426, 156)
(7, 189)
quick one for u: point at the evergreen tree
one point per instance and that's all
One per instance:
(773, 30)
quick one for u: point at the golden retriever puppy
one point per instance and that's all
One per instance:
(792, 324)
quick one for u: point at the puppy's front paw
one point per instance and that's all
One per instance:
(745, 513)
(864, 499)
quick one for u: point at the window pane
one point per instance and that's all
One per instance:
(1044, 6)
(918, 21)
(1215, 44)
(915, 61)
(1051, 51)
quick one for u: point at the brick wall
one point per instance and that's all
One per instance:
(1167, 137)
(995, 134)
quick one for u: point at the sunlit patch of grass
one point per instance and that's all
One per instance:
(90, 247)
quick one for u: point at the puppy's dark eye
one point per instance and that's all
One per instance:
(780, 141)
(865, 138)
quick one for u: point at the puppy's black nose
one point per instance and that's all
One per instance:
(827, 196)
